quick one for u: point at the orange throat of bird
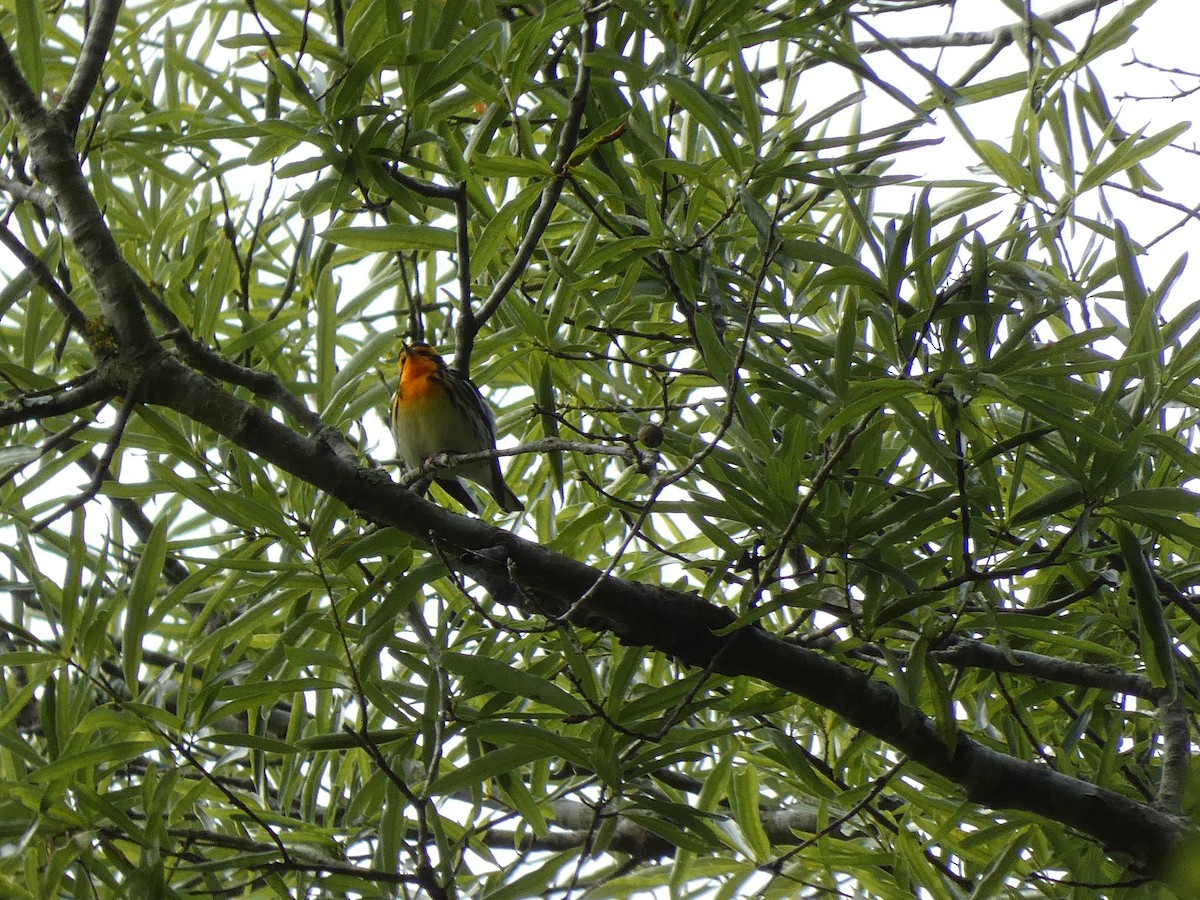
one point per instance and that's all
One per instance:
(418, 378)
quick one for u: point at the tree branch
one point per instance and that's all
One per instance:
(30, 194)
(102, 467)
(51, 146)
(66, 399)
(87, 71)
(1004, 35)
(1176, 758)
(466, 312)
(262, 384)
(680, 625)
(302, 859)
(962, 653)
(45, 278)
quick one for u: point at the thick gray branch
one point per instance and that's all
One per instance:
(681, 625)
(1177, 754)
(51, 146)
(91, 63)
(962, 653)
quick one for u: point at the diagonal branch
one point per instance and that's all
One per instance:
(1004, 35)
(87, 72)
(45, 278)
(263, 384)
(51, 146)
(963, 653)
(683, 626)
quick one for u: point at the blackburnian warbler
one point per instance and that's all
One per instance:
(435, 410)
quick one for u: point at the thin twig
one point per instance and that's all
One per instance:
(425, 871)
(102, 469)
(544, 445)
(567, 142)
(466, 314)
(46, 280)
(1178, 597)
(877, 787)
(308, 862)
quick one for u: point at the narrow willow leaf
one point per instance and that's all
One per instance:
(18, 455)
(109, 756)
(746, 811)
(548, 407)
(503, 677)
(1179, 500)
(1055, 502)
(485, 767)
(396, 236)
(709, 112)
(1129, 153)
(30, 43)
(1159, 652)
(146, 580)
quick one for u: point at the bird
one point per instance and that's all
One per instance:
(435, 410)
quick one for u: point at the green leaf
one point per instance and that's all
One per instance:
(395, 236)
(501, 227)
(570, 749)
(503, 677)
(146, 580)
(251, 741)
(1179, 500)
(993, 882)
(1008, 167)
(710, 113)
(1055, 502)
(1127, 154)
(489, 765)
(500, 166)
(453, 65)
(109, 756)
(344, 741)
(547, 401)
(746, 812)
(18, 455)
(30, 42)
(1156, 645)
